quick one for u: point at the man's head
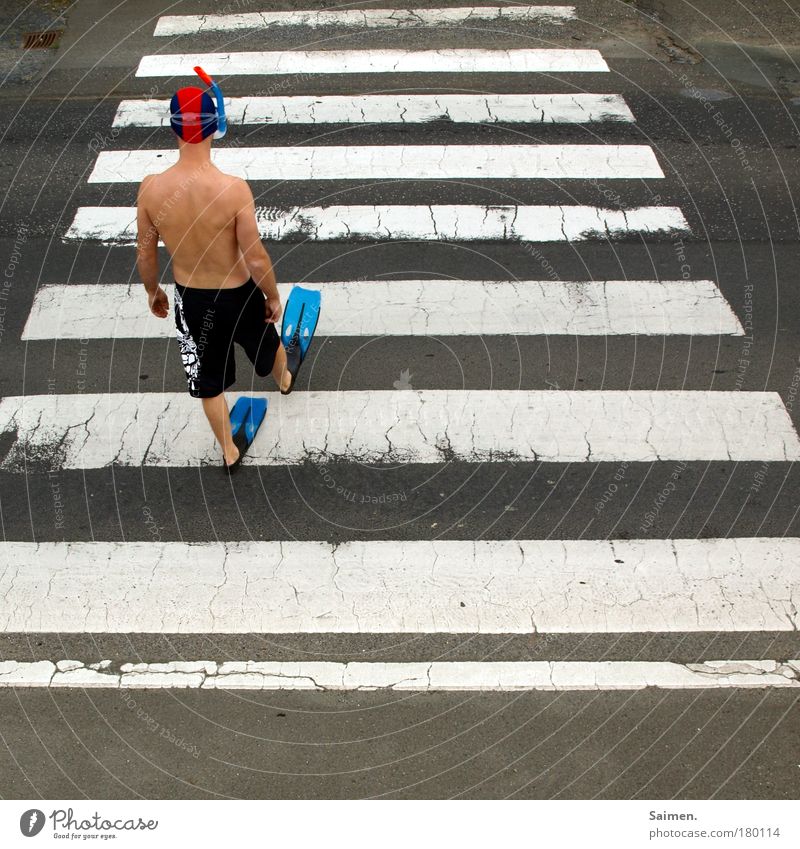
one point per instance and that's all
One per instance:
(193, 115)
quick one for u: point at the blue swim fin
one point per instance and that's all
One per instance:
(246, 417)
(255, 415)
(300, 320)
(300, 317)
(238, 413)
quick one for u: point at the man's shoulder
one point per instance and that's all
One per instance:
(238, 191)
(238, 184)
(149, 182)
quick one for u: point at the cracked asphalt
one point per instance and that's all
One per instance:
(695, 77)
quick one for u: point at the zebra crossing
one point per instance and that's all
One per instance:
(577, 108)
(417, 586)
(111, 225)
(310, 62)
(173, 25)
(404, 587)
(417, 162)
(89, 431)
(436, 676)
(451, 308)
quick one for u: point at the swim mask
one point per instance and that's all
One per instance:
(195, 115)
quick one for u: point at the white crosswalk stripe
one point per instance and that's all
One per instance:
(396, 586)
(578, 108)
(309, 62)
(89, 431)
(399, 162)
(458, 587)
(424, 308)
(456, 222)
(493, 676)
(172, 25)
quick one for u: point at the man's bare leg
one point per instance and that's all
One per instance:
(219, 417)
(280, 374)
(218, 414)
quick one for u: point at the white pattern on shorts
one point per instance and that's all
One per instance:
(191, 361)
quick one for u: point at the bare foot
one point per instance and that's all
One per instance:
(286, 380)
(231, 456)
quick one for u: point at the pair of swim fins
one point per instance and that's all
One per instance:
(300, 320)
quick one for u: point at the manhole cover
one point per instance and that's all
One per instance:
(34, 40)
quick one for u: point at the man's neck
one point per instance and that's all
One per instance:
(194, 155)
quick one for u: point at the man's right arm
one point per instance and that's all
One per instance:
(147, 254)
(255, 255)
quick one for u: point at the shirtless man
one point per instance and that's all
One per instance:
(225, 287)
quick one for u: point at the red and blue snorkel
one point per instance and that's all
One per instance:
(222, 121)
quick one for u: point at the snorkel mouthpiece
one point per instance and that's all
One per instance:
(222, 122)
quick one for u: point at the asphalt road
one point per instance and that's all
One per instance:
(687, 75)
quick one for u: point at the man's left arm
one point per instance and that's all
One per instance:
(147, 255)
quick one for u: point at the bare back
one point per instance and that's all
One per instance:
(194, 208)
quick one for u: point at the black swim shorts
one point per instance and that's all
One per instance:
(209, 321)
